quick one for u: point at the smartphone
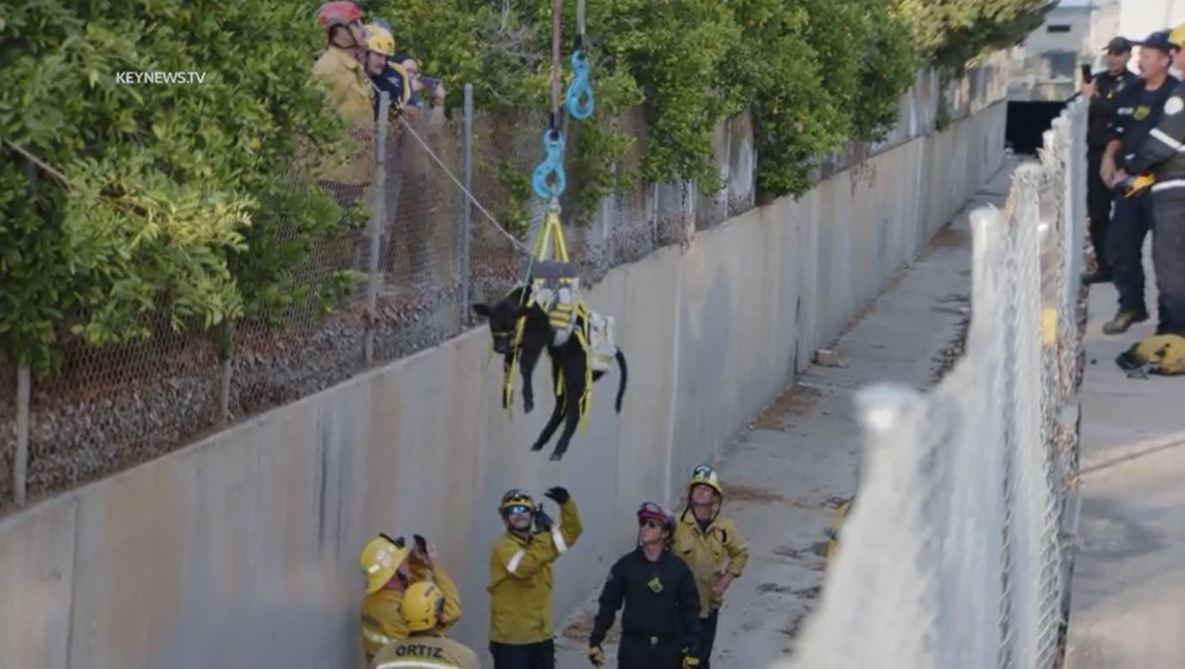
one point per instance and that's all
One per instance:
(1087, 77)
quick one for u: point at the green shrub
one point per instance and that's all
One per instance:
(176, 194)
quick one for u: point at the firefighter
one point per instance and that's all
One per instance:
(660, 621)
(1137, 111)
(1101, 91)
(521, 578)
(385, 74)
(710, 544)
(425, 646)
(1163, 153)
(390, 568)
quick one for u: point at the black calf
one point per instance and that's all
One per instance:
(570, 358)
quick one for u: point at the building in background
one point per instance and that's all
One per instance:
(1044, 67)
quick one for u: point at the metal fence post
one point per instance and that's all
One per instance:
(24, 388)
(377, 217)
(466, 205)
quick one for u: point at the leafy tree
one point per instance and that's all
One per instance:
(949, 33)
(157, 198)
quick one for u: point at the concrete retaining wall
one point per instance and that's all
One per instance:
(241, 550)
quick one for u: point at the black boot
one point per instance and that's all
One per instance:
(1124, 320)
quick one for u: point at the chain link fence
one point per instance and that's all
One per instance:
(450, 211)
(956, 551)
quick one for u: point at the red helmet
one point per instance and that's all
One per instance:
(338, 12)
(656, 512)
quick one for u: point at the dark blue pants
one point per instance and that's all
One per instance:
(1132, 220)
(641, 653)
(707, 638)
(1168, 258)
(1098, 207)
(527, 656)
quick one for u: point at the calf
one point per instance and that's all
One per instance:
(570, 358)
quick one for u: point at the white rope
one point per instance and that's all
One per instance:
(517, 244)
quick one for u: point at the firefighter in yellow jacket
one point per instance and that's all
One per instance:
(520, 578)
(391, 568)
(425, 647)
(714, 549)
(340, 71)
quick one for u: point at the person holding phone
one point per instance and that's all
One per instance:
(1101, 90)
(391, 567)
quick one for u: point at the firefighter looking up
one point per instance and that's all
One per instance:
(426, 646)
(710, 544)
(521, 578)
(390, 568)
(660, 621)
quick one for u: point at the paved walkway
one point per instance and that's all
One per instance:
(1128, 590)
(782, 478)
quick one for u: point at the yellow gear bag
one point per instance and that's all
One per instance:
(1163, 354)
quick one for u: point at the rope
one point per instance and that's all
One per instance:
(556, 23)
(517, 244)
(40, 163)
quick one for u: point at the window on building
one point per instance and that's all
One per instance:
(1057, 28)
(1061, 64)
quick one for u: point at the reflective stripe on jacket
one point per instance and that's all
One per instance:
(521, 580)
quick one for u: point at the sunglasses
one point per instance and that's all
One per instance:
(518, 508)
(652, 524)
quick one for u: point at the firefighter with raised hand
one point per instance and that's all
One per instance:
(710, 544)
(425, 647)
(391, 567)
(660, 620)
(521, 578)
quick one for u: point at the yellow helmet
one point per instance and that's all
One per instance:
(516, 498)
(380, 560)
(379, 39)
(421, 606)
(705, 475)
(1177, 36)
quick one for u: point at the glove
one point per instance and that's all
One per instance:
(690, 661)
(543, 522)
(559, 494)
(596, 656)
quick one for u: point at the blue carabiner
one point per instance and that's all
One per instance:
(579, 98)
(552, 167)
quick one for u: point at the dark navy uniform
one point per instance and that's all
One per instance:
(1137, 111)
(1163, 153)
(395, 82)
(661, 617)
(1098, 194)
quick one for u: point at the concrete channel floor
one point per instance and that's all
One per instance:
(785, 475)
(1127, 601)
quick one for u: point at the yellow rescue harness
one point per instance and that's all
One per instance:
(561, 313)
